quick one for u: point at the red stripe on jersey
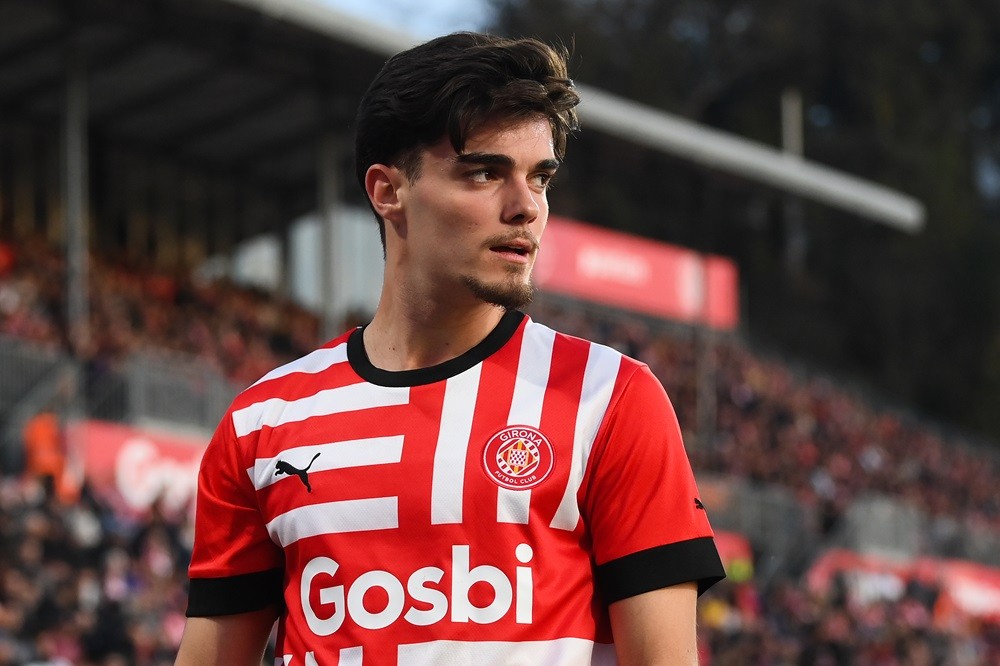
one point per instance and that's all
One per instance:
(421, 426)
(559, 415)
(492, 406)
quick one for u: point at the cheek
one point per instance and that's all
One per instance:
(448, 214)
(542, 202)
(538, 226)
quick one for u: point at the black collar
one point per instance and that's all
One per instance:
(498, 337)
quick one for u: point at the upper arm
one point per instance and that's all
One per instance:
(231, 537)
(649, 528)
(235, 640)
(236, 571)
(653, 544)
(657, 627)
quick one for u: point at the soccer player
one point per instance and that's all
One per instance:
(453, 483)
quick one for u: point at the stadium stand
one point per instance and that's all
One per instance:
(239, 331)
(795, 464)
(204, 119)
(157, 334)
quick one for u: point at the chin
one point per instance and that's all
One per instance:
(508, 295)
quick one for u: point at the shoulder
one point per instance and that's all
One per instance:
(287, 377)
(597, 360)
(263, 401)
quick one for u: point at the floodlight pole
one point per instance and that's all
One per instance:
(330, 195)
(75, 184)
(793, 145)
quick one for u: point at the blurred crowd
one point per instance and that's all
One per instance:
(832, 445)
(82, 585)
(789, 624)
(240, 331)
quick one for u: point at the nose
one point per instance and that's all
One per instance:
(522, 204)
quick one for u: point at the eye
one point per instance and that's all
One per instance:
(481, 175)
(543, 180)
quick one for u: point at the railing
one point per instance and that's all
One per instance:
(22, 365)
(32, 378)
(787, 534)
(177, 391)
(174, 392)
(888, 526)
(781, 529)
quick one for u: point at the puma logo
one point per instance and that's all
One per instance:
(697, 504)
(281, 467)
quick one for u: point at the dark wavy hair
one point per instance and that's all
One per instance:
(450, 86)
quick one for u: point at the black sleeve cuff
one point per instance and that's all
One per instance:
(208, 597)
(662, 566)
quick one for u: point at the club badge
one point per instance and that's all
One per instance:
(518, 457)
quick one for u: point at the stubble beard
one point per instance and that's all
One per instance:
(510, 295)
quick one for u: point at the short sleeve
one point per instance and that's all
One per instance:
(235, 567)
(649, 527)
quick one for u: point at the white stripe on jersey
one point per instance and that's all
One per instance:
(311, 363)
(335, 455)
(526, 409)
(360, 515)
(448, 479)
(558, 652)
(351, 398)
(352, 656)
(513, 506)
(532, 375)
(598, 384)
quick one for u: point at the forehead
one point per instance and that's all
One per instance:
(527, 140)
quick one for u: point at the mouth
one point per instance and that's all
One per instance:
(513, 251)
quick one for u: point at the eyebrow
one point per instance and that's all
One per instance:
(495, 159)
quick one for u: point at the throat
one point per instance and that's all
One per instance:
(405, 344)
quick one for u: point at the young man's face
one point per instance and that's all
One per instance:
(473, 220)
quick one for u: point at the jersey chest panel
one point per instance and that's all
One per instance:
(439, 506)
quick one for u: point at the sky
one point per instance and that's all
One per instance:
(420, 17)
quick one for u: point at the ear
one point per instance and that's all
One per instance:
(382, 184)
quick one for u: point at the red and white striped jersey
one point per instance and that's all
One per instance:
(482, 511)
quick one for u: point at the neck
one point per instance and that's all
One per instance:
(401, 338)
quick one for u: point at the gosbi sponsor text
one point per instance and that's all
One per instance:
(345, 599)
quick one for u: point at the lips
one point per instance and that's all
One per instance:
(513, 253)
(518, 245)
(515, 249)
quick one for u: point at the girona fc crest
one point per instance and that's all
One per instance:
(518, 457)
